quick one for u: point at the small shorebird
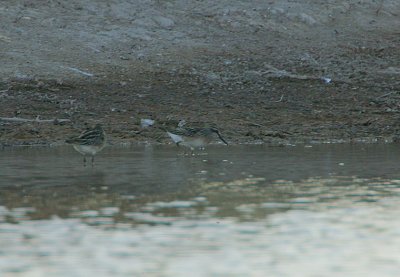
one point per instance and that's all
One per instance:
(89, 142)
(194, 137)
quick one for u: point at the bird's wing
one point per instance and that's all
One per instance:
(90, 137)
(187, 132)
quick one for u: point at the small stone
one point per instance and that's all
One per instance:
(164, 22)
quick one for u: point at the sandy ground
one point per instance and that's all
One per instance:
(262, 71)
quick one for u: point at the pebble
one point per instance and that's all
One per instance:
(164, 22)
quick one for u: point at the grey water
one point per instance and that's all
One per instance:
(307, 210)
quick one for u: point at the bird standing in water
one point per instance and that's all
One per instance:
(90, 142)
(194, 137)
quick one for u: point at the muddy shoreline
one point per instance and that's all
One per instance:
(276, 73)
(285, 117)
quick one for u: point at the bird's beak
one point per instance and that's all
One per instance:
(221, 138)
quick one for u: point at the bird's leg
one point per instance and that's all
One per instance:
(84, 160)
(92, 160)
(184, 148)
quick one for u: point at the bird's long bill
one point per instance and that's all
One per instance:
(221, 138)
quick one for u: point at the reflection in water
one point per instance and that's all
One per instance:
(258, 211)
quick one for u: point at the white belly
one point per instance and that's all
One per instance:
(193, 143)
(188, 141)
(88, 149)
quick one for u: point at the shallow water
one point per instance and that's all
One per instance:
(325, 210)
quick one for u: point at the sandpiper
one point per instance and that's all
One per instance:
(194, 137)
(90, 142)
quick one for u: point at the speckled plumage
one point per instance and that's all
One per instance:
(90, 142)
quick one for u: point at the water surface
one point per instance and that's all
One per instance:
(229, 211)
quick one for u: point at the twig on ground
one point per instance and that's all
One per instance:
(37, 120)
(386, 94)
(79, 71)
(280, 100)
(256, 124)
(272, 72)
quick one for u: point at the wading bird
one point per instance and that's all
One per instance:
(90, 142)
(194, 137)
